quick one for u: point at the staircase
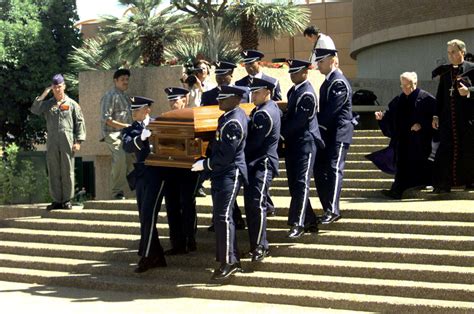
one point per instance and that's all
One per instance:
(385, 256)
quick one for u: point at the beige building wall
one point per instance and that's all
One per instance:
(333, 19)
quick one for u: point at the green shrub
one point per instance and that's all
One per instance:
(19, 182)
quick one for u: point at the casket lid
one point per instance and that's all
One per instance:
(203, 119)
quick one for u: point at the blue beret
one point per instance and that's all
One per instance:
(58, 79)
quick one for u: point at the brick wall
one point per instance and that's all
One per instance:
(373, 15)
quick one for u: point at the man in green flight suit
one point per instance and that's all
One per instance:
(66, 131)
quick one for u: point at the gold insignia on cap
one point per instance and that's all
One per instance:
(170, 90)
(132, 99)
(218, 63)
(245, 52)
(290, 62)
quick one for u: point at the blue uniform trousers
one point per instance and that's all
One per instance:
(149, 190)
(256, 195)
(180, 200)
(328, 175)
(299, 166)
(224, 190)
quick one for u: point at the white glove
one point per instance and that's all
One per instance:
(198, 165)
(145, 134)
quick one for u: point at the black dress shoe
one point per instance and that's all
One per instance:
(54, 205)
(119, 196)
(240, 224)
(67, 205)
(295, 232)
(311, 228)
(191, 244)
(226, 270)
(259, 253)
(147, 263)
(330, 218)
(440, 191)
(200, 193)
(211, 228)
(392, 194)
(176, 251)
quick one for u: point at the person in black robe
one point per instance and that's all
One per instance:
(408, 124)
(454, 118)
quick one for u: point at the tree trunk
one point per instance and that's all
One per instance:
(249, 33)
(153, 51)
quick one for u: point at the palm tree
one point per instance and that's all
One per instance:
(142, 35)
(254, 20)
(212, 46)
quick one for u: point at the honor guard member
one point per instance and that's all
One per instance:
(301, 134)
(336, 125)
(66, 131)
(180, 191)
(227, 169)
(224, 71)
(148, 183)
(262, 163)
(251, 60)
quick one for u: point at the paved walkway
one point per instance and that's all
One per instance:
(30, 298)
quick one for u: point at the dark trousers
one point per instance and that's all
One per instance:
(328, 175)
(224, 190)
(150, 190)
(299, 166)
(180, 200)
(256, 203)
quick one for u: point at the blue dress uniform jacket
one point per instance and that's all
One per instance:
(228, 147)
(300, 124)
(148, 182)
(226, 167)
(276, 93)
(337, 126)
(335, 114)
(264, 134)
(262, 161)
(301, 133)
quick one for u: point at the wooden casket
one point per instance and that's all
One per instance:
(181, 136)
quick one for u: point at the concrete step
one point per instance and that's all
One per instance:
(372, 183)
(198, 275)
(355, 224)
(366, 133)
(276, 224)
(354, 174)
(379, 140)
(207, 244)
(284, 264)
(442, 210)
(196, 286)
